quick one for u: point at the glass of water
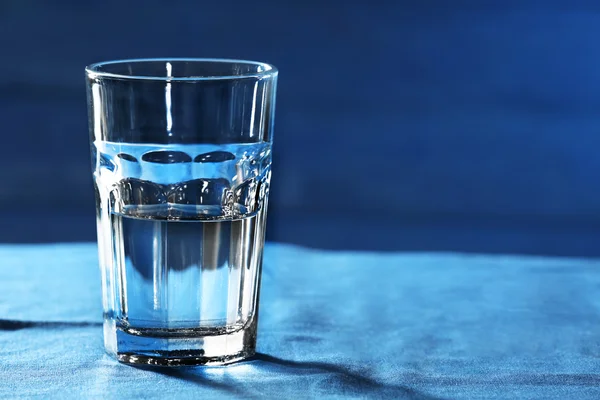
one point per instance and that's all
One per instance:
(181, 153)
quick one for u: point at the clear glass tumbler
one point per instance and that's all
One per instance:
(181, 153)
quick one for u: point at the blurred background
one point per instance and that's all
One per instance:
(424, 125)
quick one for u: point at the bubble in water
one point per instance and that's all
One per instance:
(198, 191)
(166, 157)
(214, 157)
(131, 191)
(127, 157)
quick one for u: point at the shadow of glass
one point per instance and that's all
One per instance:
(15, 325)
(341, 379)
(199, 376)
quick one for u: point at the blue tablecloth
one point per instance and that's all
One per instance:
(333, 324)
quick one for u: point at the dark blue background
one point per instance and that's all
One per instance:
(424, 125)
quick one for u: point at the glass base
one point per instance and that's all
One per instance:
(174, 349)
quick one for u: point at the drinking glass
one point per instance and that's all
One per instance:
(181, 154)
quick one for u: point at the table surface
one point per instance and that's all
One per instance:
(332, 324)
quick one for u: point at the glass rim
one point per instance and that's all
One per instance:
(93, 71)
